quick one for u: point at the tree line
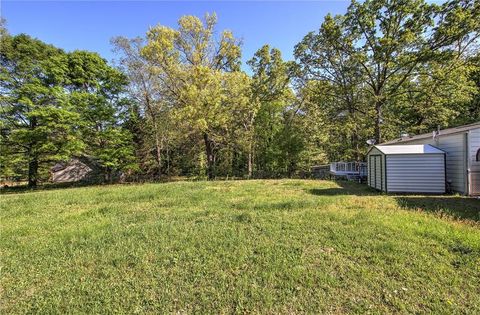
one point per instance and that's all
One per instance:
(177, 103)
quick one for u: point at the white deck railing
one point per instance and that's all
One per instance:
(343, 168)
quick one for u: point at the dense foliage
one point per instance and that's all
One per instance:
(179, 104)
(56, 105)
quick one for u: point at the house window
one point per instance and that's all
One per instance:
(478, 155)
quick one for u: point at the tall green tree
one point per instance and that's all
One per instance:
(97, 95)
(439, 96)
(271, 96)
(329, 74)
(191, 65)
(386, 43)
(38, 121)
(394, 39)
(153, 110)
(3, 28)
(473, 107)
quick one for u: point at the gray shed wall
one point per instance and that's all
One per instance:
(455, 147)
(422, 173)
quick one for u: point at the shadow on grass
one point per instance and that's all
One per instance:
(47, 186)
(52, 186)
(346, 188)
(458, 207)
(454, 206)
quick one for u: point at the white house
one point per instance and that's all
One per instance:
(462, 148)
(418, 168)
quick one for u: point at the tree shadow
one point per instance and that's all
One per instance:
(47, 186)
(346, 188)
(455, 206)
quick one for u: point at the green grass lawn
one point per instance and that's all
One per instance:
(276, 246)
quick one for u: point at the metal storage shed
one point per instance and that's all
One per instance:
(462, 147)
(407, 168)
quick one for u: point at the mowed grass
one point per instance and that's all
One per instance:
(276, 246)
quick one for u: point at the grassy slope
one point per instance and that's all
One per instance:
(263, 246)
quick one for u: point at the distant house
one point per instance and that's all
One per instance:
(78, 169)
(462, 148)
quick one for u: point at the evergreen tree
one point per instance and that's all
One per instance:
(38, 121)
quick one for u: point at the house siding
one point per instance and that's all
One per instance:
(474, 143)
(416, 173)
(474, 165)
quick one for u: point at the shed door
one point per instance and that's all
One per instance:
(375, 171)
(378, 172)
(371, 172)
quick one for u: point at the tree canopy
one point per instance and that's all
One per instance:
(178, 101)
(56, 105)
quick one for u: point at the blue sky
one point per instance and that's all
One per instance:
(91, 24)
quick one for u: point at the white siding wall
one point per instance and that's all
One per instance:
(454, 146)
(474, 143)
(423, 173)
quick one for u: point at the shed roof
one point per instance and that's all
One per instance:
(443, 132)
(409, 149)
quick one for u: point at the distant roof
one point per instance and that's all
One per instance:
(409, 149)
(90, 161)
(442, 133)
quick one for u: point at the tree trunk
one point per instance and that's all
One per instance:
(33, 159)
(354, 136)
(158, 148)
(378, 122)
(109, 179)
(168, 160)
(250, 160)
(354, 145)
(210, 156)
(158, 145)
(32, 172)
